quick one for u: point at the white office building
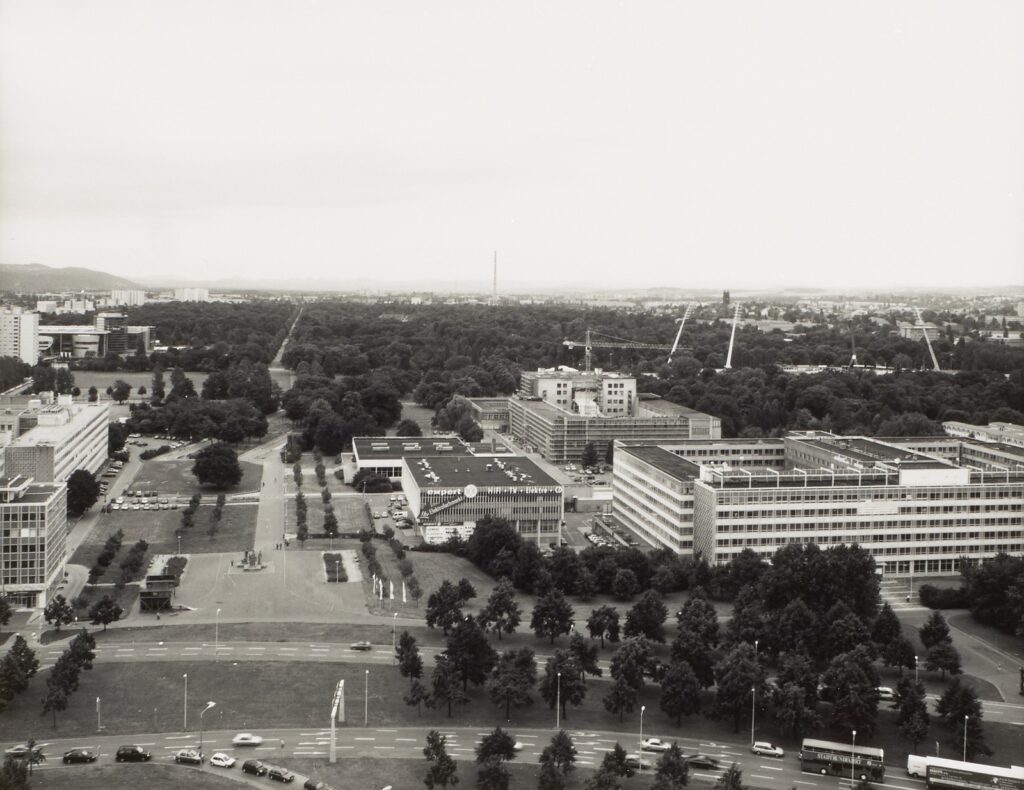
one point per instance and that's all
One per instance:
(192, 294)
(916, 505)
(19, 334)
(51, 440)
(127, 297)
(33, 541)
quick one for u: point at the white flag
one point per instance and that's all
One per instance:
(391, 591)
(403, 592)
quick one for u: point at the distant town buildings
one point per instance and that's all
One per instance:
(19, 334)
(126, 297)
(192, 294)
(918, 331)
(109, 333)
(918, 506)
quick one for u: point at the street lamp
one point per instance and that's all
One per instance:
(201, 714)
(337, 571)
(216, 634)
(756, 643)
(366, 699)
(394, 644)
(184, 724)
(915, 670)
(558, 699)
(640, 757)
(179, 544)
(753, 711)
(99, 721)
(853, 755)
(966, 717)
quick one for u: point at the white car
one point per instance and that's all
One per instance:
(222, 760)
(654, 745)
(767, 749)
(247, 739)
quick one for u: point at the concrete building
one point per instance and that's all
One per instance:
(917, 331)
(1000, 432)
(33, 545)
(917, 505)
(19, 334)
(383, 455)
(110, 333)
(127, 297)
(47, 441)
(191, 295)
(449, 494)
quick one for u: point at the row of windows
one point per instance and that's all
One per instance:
(890, 551)
(819, 526)
(847, 494)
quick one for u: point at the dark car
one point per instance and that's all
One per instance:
(189, 757)
(703, 761)
(132, 754)
(254, 767)
(280, 774)
(313, 784)
(80, 756)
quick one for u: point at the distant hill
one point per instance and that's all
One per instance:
(36, 278)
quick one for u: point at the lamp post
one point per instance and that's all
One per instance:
(216, 633)
(915, 670)
(201, 714)
(179, 544)
(640, 757)
(366, 699)
(99, 721)
(394, 644)
(558, 699)
(853, 757)
(966, 717)
(753, 711)
(756, 643)
(337, 570)
(184, 723)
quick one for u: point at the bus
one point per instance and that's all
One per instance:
(842, 759)
(942, 774)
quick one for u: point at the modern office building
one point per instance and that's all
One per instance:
(19, 334)
(383, 455)
(999, 432)
(558, 411)
(48, 440)
(448, 494)
(110, 333)
(917, 505)
(33, 545)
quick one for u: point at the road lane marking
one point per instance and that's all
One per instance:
(758, 776)
(364, 739)
(385, 730)
(309, 754)
(769, 768)
(799, 782)
(410, 740)
(383, 747)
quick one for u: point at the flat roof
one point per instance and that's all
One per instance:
(368, 448)
(666, 407)
(452, 472)
(81, 414)
(664, 461)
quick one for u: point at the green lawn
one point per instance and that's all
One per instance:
(159, 528)
(175, 478)
(142, 695)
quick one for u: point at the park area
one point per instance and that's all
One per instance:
(175, 478)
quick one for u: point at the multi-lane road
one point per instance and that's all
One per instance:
(407, 743)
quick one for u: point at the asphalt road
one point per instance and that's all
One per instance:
(353, 740)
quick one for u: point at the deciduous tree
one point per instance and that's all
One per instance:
(501, 613)
(217, 465)
(58, 611)
(552, 616)
(647, 617)
(680, 691)
(603, 623)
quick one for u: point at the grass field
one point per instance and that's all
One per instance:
(350, 512)
(107, 777)
(175, 478)
(141, 696)
(160, 527)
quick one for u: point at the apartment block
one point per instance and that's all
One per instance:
(49, 440)
(19, 334)
(33, 543)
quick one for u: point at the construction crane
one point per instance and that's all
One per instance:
(682, 323)
(927, 340)
(612, 342)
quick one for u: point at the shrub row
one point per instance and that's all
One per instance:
(335, 568)
(944, 597)
(145, 455)
(131, 565)
(106, 556)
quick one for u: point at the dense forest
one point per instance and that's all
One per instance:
(477, 350)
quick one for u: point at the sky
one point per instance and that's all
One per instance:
(817, 143)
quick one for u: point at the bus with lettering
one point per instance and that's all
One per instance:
(942, 774)
(831, 758)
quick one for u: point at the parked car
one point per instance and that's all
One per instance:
(79, 756)
(767, 749)
(635, 761)
(363, 645)
(254, 767)
(247, 739)
(189, 757)
(885, 694)
(132, 754)
(654, 745)
(313, 784)
(703, 761)
(222, 760)
(280, 774)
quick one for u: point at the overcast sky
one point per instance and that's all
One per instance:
(721, 144)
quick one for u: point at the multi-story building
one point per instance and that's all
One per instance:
(19, 334)
(449, 494)
(127, 297)
(50, 440)
(558, 411)
(917, 505)
(999, 432)
(918, 331)
(383, 455)
(192, 294)
(110, 333)
(33, 544)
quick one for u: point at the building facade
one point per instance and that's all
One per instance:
(33, 544)
(191, 295)
(448, 495)
(110, 333)
(997, 432)
(19, 334)
(127, 297)
(50, 440)
(916, 511)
